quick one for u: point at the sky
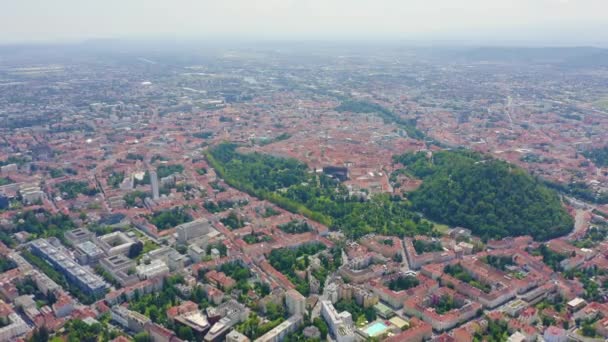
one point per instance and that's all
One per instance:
(575, 22)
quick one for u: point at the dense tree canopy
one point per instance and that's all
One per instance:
(136, 197)
(115, 178)
(79, 331)
(491, 197)
(289, 184)
(358, 312)
(39, 223)
(403, 283)
(458, 272)
(423, 246)
(155, 305)
(233, 221)
(444, 304)
(295, 227)
(167, 219)
(496, 331)
(579, 190)
(500, 262)
(7, 264)
(287, 261)
(409, 125)
(168, 169)
(70, 189)
(598, 155)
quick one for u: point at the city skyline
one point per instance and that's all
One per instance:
(304, 171)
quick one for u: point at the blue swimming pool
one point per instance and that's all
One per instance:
(375, 329)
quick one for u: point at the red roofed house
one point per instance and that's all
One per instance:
(220, 280)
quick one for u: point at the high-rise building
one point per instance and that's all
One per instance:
(154, 182)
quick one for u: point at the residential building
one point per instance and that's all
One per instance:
(296, 303)
(86, 280)
(235, 336)
(279, 332)
(15, 326)
(340, 324)
(555, 334)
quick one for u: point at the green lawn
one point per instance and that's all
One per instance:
(441, 228)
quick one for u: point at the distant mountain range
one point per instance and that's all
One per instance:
(191, 51)
(564, 56)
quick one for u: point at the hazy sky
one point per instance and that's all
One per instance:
(571, 21)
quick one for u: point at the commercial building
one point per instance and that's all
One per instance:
(84, 279)
(169, 256)
(115, 243)
(576, 304)
(156, 268)
(191, 230)
(219, 330)
(121, 268)
(88, 253)
(196, 253)
(79, 235)
(225, 316)
(196, 321)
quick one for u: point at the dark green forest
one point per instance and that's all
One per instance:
(491, 197)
